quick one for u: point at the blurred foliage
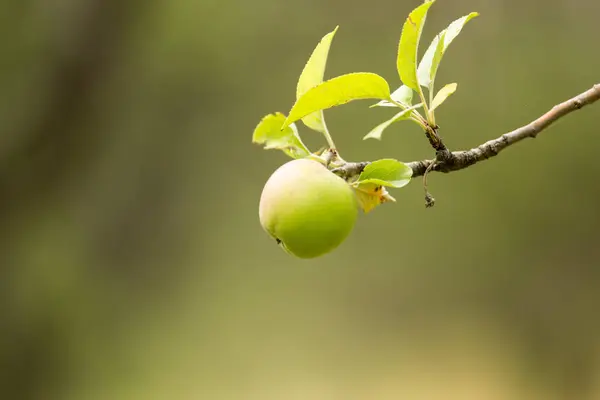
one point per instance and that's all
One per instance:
(133, 263)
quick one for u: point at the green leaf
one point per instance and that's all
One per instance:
(376, 132)
(431, 59)
(269, 133)
(370, 187)
(386, 172)
(409, 44)
(401, 95)
(337, 91)
(371, 195)
(443, 95)
(456, 27)
(437, 59)
(312, 75)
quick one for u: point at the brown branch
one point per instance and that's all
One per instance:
(351, 169)
(447, 161)
(454, 161)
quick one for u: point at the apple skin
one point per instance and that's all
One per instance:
(308, 209)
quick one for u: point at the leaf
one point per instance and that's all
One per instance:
(431, 60)
(312, 75)
(269, 133)
(443, 95)
(456, 27)
(406, 62)
(370, 195)
(401, 95)
(437, 59)
(386, 172)
(376, 132)
(337, 91)
(370, 187)
(432, 57)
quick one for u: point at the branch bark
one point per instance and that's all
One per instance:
(447, 161)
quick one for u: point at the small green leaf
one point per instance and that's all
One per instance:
(431, 59)
(386, 172)
(370, 187)
(371, 195)
(409, 44)
(401, 95)
(269, 133)
(337, 91)
(376, 132)
(443, 94)
(312, 75)
(456, 26)
(437, 59)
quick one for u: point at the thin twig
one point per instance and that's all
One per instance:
(455, 161)
(429, 200)
(350, 170)
(447, 161)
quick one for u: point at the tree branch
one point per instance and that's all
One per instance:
(446, 161)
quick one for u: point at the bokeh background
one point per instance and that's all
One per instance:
(133, 265)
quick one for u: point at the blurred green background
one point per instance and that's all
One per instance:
(132, 261)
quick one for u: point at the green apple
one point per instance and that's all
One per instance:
(308, 209)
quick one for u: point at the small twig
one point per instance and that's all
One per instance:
(455, 161)
(434, 138)
(447, 161)
(429, 200)
(350, 170)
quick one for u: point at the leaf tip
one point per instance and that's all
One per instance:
(370, 136)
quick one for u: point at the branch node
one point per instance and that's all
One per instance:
(350, 170)
(534, 131)
(446, 161)
(434, 138)
(445, 156)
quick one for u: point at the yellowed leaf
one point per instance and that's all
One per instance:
(370, 195)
